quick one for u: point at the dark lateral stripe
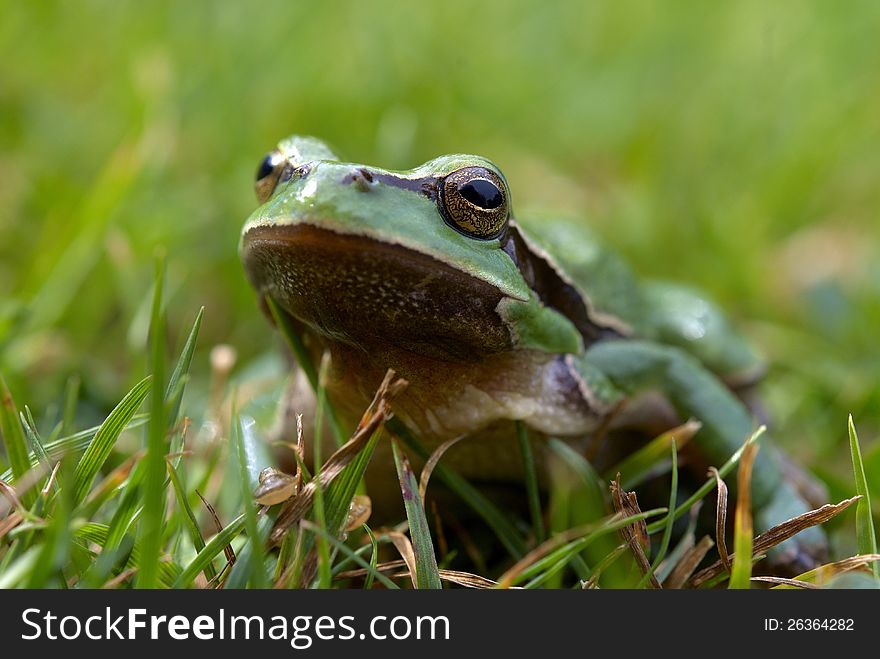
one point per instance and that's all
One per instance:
(427, 185)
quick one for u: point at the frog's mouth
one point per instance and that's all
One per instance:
(364, 292)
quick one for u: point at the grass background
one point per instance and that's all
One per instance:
(736, 147)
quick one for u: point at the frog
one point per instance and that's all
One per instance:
(496, 320)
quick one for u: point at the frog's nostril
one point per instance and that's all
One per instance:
(290, 172)
(362, 179)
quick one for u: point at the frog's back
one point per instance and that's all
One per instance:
(603, 279)
(662, 311)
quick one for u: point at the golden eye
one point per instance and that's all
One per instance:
(268, 174)
(474, 202)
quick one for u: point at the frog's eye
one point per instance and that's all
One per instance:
(268, 174)
(474, 202)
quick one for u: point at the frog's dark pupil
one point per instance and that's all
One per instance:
(266, 167)
(482, 193)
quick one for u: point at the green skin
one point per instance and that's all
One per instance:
(370, 266)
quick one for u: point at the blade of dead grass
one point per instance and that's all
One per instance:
(670, 520)
(794, 583)
(824, 573)
(777, 534)
(428, 469)
(721, 518)
(379, 412)
(688, 563)
(636, 534)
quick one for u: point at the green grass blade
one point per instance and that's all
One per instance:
(19, 569)
(181, 369)
(58, 448)
(56, 538)
(129, 507)
(14, 440)
(491, 514)
(36, 443)
(256, 574)
(153, 496)
(531, 480)
(101, 445)
(427, 575)
(865, 535)
(99, 534)
(670, 520)
(324, 571)
(249, 569)
(577, 498)
(374, 558)
(189, 517)
(743, 537)
(569, 550)
(710, 483)
(71, 398)
(634, 468)
(212, 548)
(347, 551)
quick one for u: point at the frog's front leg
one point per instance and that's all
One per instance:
(638, 366)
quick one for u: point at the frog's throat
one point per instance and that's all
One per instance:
(360, 291)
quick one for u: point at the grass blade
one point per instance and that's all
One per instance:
(670, 520)
(634, 468)
(349, 553)
(58, 448)
(707, 486)
(741, 571)
(150, 531)
(497, 521)
(101, 445)
(774, 536)
(71, 398)
(567, 545)
(255, 563)
(577, 498)
(189, 517)
(531, 480)
(865, 535)
(181, 369)
(213, 547)
(14, 440)
(426, 573)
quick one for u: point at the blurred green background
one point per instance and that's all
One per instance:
(735, 146)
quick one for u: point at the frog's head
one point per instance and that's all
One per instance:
(420, 258)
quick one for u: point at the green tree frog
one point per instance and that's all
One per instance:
(492, 319)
